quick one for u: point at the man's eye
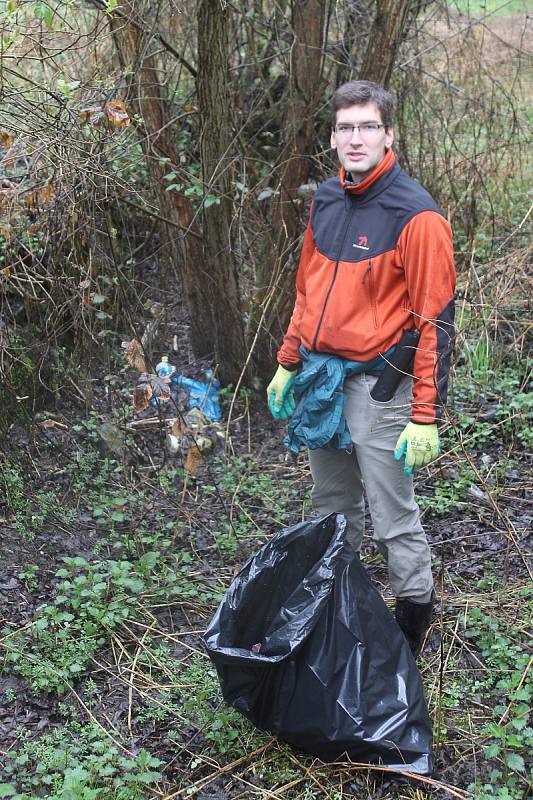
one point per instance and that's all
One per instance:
(370, 126)
(344, 128)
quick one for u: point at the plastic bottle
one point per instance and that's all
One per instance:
(164, 369)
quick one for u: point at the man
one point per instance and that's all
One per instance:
(377, 259)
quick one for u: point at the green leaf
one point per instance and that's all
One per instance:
(43, 12)
(519, 722)
(515, 761)
(149, 560)
(211, 200)
(147, 777)
(76, 561)
(492, 751)
(7, 790)
(98, 298)
(117, 516)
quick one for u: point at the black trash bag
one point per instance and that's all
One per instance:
(305, 647)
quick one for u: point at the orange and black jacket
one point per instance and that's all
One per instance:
(377, 258)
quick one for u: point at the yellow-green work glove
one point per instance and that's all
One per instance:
(419, 443)
(280, 397)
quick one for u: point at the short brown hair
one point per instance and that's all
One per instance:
(357, 93)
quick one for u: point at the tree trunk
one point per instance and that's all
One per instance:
(213, 83)
(304, 92)
(146, 97)
(386, 35)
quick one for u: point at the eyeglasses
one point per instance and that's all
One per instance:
(367, 129)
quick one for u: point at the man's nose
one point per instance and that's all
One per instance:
(356, 134)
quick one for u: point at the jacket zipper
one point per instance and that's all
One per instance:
(371, 290)
(339, 253)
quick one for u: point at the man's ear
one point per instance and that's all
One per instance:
(333, 140)
(389, 137)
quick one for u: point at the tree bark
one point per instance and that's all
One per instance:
(146, 97)
(213, 91)
(304, 92)
(386, 35)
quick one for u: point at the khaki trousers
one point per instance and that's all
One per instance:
(339, 477)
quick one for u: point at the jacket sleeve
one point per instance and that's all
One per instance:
(289, 352)
(426, 250)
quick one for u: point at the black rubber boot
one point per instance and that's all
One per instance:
(414, 619)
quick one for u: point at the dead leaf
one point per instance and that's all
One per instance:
(93, 115)
(194, 460)
(160, 388)
(116, 113)
(6, 140)
(133, 353)
(39, 197)
(141, 396)
(178, 428)
(52, 423)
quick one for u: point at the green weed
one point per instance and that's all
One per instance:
(77, 762)
(15, 489)
(29, 576)
(225, 729)
(507, 687)
(93, 599)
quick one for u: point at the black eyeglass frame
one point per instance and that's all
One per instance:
(365, 127)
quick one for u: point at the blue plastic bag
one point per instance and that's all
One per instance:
(200, 395)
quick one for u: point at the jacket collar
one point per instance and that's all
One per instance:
(385, 166)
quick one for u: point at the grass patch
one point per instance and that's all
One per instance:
(477, 8)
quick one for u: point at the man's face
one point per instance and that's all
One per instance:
(359, 152)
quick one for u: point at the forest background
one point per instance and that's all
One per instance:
(157, 160)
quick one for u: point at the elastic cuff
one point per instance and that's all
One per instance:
(290, 367)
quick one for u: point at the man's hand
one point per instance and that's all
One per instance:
(419, 443)
(280, 397)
